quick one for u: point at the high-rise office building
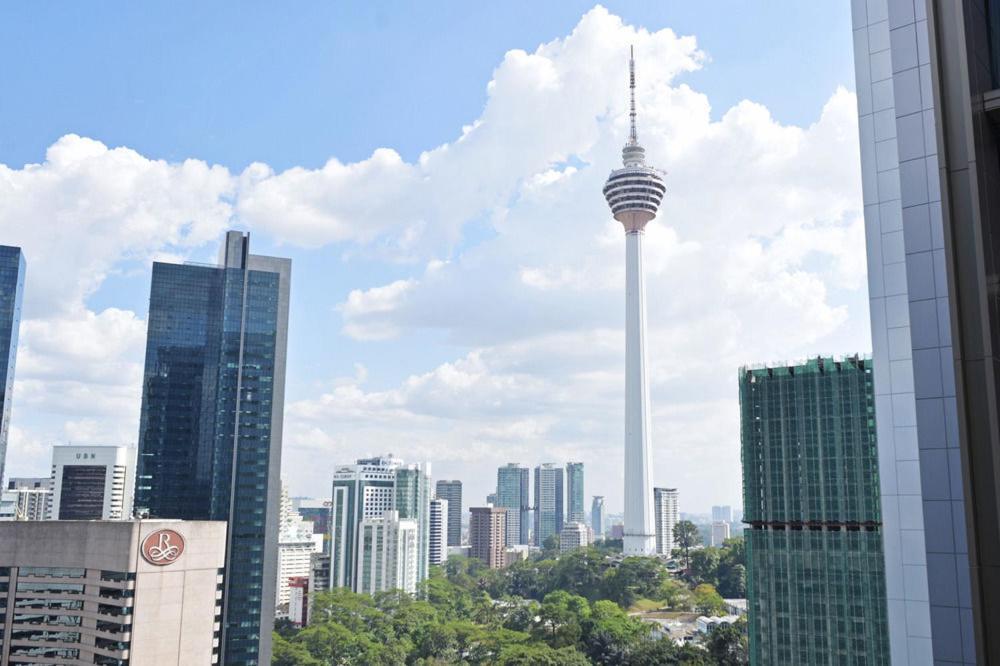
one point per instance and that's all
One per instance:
(413, 502)
(92, 483)
(360, 491)
(549, 514)
(452, 492)
(26, 498)
(665, 512)
(438, 551)
(810, 491)
(488, 535)
(634, 193)
(296, 544)
(598, 516)
(512, 494)
(211, 422)
(491, 499)
(574, 493)
(111, 592)
(928, 80)
(388, 554)
(720, 532)
(12, 269)
(722, 514)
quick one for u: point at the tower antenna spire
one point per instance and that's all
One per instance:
(633, 138)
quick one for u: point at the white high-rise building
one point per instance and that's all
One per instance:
(388, 554)
(296, 545)
(574, 535)
(634, 193)
(92, 483)
(720, 532)
(665, 501)
(438, 531)
(26, 499)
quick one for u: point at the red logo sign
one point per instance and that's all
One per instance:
(162, 547)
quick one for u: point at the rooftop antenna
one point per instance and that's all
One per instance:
(633, 138)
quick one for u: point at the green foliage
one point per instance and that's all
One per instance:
(707, 601)
(568, 611)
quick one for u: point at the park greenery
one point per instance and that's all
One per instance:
(579, 608)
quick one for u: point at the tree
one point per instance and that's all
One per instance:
(540, 655)
(562, 617)
(705, 565)
(634, 578)
(686, 536)
(674, 594)
(550, 547)
(609, 634)
(707, 601)
(727, 644)
(733, 582)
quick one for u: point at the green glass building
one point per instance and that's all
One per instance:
(816, 579)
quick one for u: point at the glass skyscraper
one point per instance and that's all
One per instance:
(512, 494)
(549, 515)
(574, 493)
(12, 269)
(816, 579)
(211, 422)
(452, 492)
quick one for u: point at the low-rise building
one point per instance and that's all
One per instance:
(111, 592)
(574, 535)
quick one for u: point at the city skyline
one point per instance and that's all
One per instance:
(403, 373)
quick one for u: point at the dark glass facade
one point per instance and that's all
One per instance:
(816, 576)
(12, 269)
(452, 491)
(210, 432)
(82, 493)
(574, 493)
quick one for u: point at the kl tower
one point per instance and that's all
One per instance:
(634, 193)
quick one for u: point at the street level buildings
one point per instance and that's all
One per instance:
(111, 592)
(211, 422)
(92, 483)
(452, 492)
(634, 193)
(928, 83)
(665, 506)
(513, 494)
(488, 535)
(549, 513)
(12, 270)
(815, 574)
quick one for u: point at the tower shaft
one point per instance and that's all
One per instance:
(640, 534)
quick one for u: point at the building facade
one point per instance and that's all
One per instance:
(575, 512)
(722, 514)
(360, 491)
(574, 535)
(26, 499)
(451, 491)
(815, 575)
(513, 495)
(211, 421)
(549, 513)
(665, 510)
(12, 270)
(388, 554)
(92, 483)
(598, 516)
(413, 502)
(720, 532)
(928, 84)
(296, 544)
(438, 551)
(111, 592)
(488, 535)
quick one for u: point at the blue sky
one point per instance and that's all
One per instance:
(235, 84)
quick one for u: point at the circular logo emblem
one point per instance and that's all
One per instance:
(162, 547)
